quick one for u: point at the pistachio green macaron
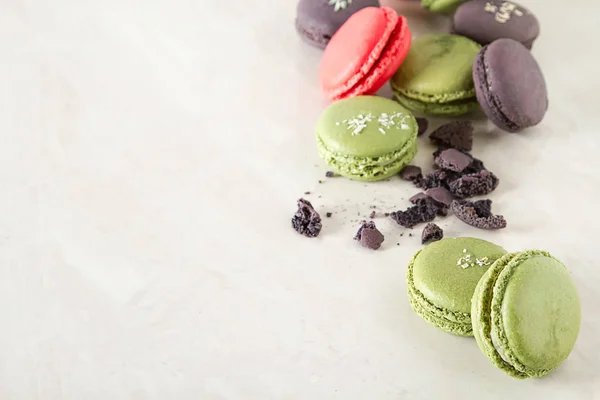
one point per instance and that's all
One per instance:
(367, 138)
(526, 313)
(442, 277)
(436, 77)
(441, 6)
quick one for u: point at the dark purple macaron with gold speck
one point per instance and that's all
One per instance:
(318, 20)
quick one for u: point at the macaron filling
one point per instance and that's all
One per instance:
(369, 167)
(451, 107)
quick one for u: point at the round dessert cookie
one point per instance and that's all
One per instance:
(441, 6)
(318, 20)
(487, 20)
(442, 277)
(436, 77)
(510, 85)
(526, 314)
(367, 138)
(364, 53)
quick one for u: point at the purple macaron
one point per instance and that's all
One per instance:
(510, 86)
(318, 20)
(487, 20)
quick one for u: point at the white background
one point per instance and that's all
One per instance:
(151, 153)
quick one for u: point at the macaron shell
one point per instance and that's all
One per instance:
(388, 63)
(455, 323)
(337, 126)
(317, 20)
(481, 307)
(510, 85)
(536, 313)
(355, 48)
(438, 69)
(487, 20)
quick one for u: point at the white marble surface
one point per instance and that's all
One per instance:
(151, 155)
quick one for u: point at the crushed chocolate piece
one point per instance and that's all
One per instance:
(369, 236)
(418, 196)
(411, 173)
(424, 210)
(453, 160)
(307, 220)
(423, 124)
(328, 215)
(330, 174)
(455, 134)
(372, 215)
(478, 214)
(431, 233)
(475, 166)
(441, 195)
(410, 234)
(437, 178)
(320, 181)
(387, 214)
(306, 192)
(477, 184)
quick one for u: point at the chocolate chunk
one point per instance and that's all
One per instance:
(441, 195)
(307, 220)
(475, 166)
(431, 233)
(478, 214)
(330, 174)
(453, 160)
(423, 124)
(328, 215)
(478, 184)
(437, 178)
(424, 210)
(418, 196)
(411, 173)
(455, 134)
(483, 208)
(369, 236)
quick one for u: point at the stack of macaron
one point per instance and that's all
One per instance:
(523, 308)
(485, 62)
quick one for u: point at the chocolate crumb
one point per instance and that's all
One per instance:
(437, 178)
(306, 192)
(417, 196)
(441, 195)
(387, 214)
(328, 215)
(369, 236)
(410, 234)
(307, 220)
(478, 214)
(477, 184)
(411, 173)
(455, 134)
(372, 215)
(423, 124)
(397, 244)
(330, 174)
(320, 181)
(424, 210)
(453, 160)
(431, 233)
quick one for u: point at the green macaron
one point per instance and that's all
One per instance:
(441, 6)
(367, 138)
(442, 277)
(526, 314)
(436, 77)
